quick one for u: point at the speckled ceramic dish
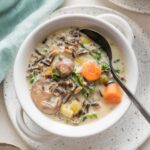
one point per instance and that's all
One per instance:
(141, 6)
(129, 133)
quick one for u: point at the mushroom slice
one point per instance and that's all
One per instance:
(52, 86)
(65, 67)
(52, 106)
(80, 52)
(43, 99)
(38, 93)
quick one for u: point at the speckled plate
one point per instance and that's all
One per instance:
(142, 6)
(129, 133)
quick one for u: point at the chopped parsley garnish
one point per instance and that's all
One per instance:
(86, 90)
(96, 55)
(117, 70)
(89, 115)
(66, 120)
(78, 80)
(82, 45)
(105, 67)
(55, 75)
(46, 50)
(32, 77)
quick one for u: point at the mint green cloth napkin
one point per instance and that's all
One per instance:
(17, 20)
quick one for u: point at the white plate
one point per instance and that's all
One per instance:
(142, 6)
(129, 133)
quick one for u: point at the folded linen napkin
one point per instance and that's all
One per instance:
(16, 22)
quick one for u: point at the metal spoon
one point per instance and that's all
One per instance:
(99, 39)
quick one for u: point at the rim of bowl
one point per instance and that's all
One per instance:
(63, 129)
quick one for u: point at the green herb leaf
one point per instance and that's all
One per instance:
(86, 90)
(66, 120)
(117, 70)
(88, 115)
(77, 78)
(55, 75)
(32, 77)
(46, 49)
(96, 55)
(82, 45)
(105, 67)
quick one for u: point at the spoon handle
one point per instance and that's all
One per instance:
(131, 96)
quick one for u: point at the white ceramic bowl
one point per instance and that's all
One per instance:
(83, 21)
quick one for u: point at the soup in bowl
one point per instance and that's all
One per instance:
(70, 80)
(63, 80)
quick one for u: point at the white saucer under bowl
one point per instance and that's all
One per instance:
(141, 6)
(129, 133)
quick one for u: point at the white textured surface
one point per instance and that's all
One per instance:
(7, 132)
(142, 6)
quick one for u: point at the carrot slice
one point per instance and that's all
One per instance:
(112, 93)
(91, 71)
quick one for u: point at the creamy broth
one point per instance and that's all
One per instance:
(70, 80)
